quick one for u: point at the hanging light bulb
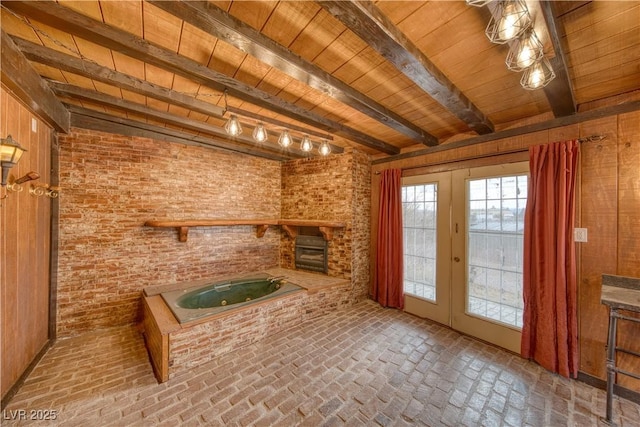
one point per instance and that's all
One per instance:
(538, 75)
(325, 148)
(525, 51)
(513, 19)
(306, 144)
(260, 133)
(285, 139)
(233, 127)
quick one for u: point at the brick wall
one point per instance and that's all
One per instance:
(361, 226)
(112, 184)
(336, 188)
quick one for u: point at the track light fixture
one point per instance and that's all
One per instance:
(511, 23)
(285, 139)
(325, 148)
(478, 3)
(260, 133)
(306, 144)
(525, 51)
(511, 19)
(233, 126)
(538, 75)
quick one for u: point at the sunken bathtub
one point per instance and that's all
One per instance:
(188, 324)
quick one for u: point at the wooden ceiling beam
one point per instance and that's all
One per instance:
(90, 119)
(70, 21)
(559, 91)
(75, 92)
(215, 21)
(522, 130)
(56, 59)
(372, 26)
(25, 83)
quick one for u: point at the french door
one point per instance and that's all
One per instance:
(426, 203)
(463, 237)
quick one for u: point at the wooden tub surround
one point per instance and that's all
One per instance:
(175, 347)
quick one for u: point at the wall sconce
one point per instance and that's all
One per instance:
(510, 20)
(38, 190)
(10, 153)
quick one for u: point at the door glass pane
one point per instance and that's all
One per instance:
(495, 214)
(419, 207)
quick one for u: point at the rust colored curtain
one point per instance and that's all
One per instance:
(387, 288)
(550, 329)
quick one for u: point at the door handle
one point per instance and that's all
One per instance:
(456, 259)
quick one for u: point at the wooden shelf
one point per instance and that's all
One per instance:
(289, 225)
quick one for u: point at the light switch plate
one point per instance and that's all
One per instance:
(580, 235)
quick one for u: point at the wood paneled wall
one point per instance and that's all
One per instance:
(608, 206)
(25, 246)
(610, 210)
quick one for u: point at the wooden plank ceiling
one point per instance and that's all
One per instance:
(386, 77)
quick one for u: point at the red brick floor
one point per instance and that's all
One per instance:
(362, 366)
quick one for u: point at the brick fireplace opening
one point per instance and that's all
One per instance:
(311, 253)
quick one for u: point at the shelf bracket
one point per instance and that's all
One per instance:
(261, 229)
(183, 233)
(292, 231)
(327, 233)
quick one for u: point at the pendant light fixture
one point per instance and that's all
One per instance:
(525, 51)
(478, 3)
(285, 139)
(233, 127)
(260, 133)
(306, 144)
(325, 148)
(538, 75)
(510, 20)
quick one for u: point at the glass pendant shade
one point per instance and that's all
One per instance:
(538, 75)
(233, 127)
(478, 3)
(525, 51)
(325, 148)
(510, 20)
(260, 133)
(306, 144)
(285, 139)
(10, 153)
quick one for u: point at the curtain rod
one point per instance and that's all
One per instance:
(590, 138)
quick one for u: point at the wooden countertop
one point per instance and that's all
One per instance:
(621, 292)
